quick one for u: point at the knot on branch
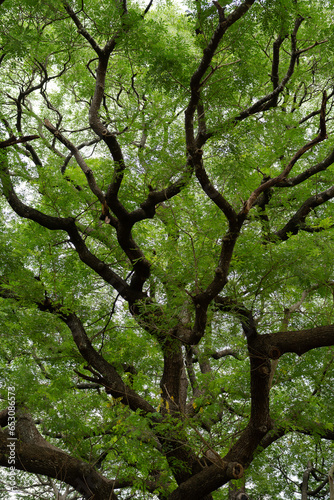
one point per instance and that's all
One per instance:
(234, 470)
(274, 353)
(264, 370)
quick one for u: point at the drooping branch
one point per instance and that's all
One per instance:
(109, 377)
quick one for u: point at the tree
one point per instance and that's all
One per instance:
(166, 241)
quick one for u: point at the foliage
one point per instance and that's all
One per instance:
(166, 239)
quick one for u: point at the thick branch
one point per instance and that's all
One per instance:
(55, 463)
(209, 479)
(81, 30)
(275, 64)
(275, 345)
(225, 304)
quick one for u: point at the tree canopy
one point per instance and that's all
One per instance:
(166, 272)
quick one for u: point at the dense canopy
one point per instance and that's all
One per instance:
(166, 239)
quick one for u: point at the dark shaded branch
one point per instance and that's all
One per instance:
(149, 5)
(298, 179)
(223, 353)
(275, 64)
(141, 265)
(225, 304)
(209, 479)
(37, 459)
(203, 299)
(110, 379)
(275, 345)
(95, 122)
(291, 424)
(34, 454)
(210, 190)
(154, 198)
(208, 53)
(297, 221)
(81, 30)
(14, 140)
(105, 374)
(270, 100)
(68, 225)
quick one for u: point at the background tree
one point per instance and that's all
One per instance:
(166, 242)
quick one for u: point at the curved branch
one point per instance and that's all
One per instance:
(270, 100)
(154, 198)
(110, 379)
(81, 30)
(68, 225)
(309, 145)
(298, 219)
(53, 462)
(315, 169)
(203, 299)
(225, 304)
(80, 161)
(210, 190)
(208, 53)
